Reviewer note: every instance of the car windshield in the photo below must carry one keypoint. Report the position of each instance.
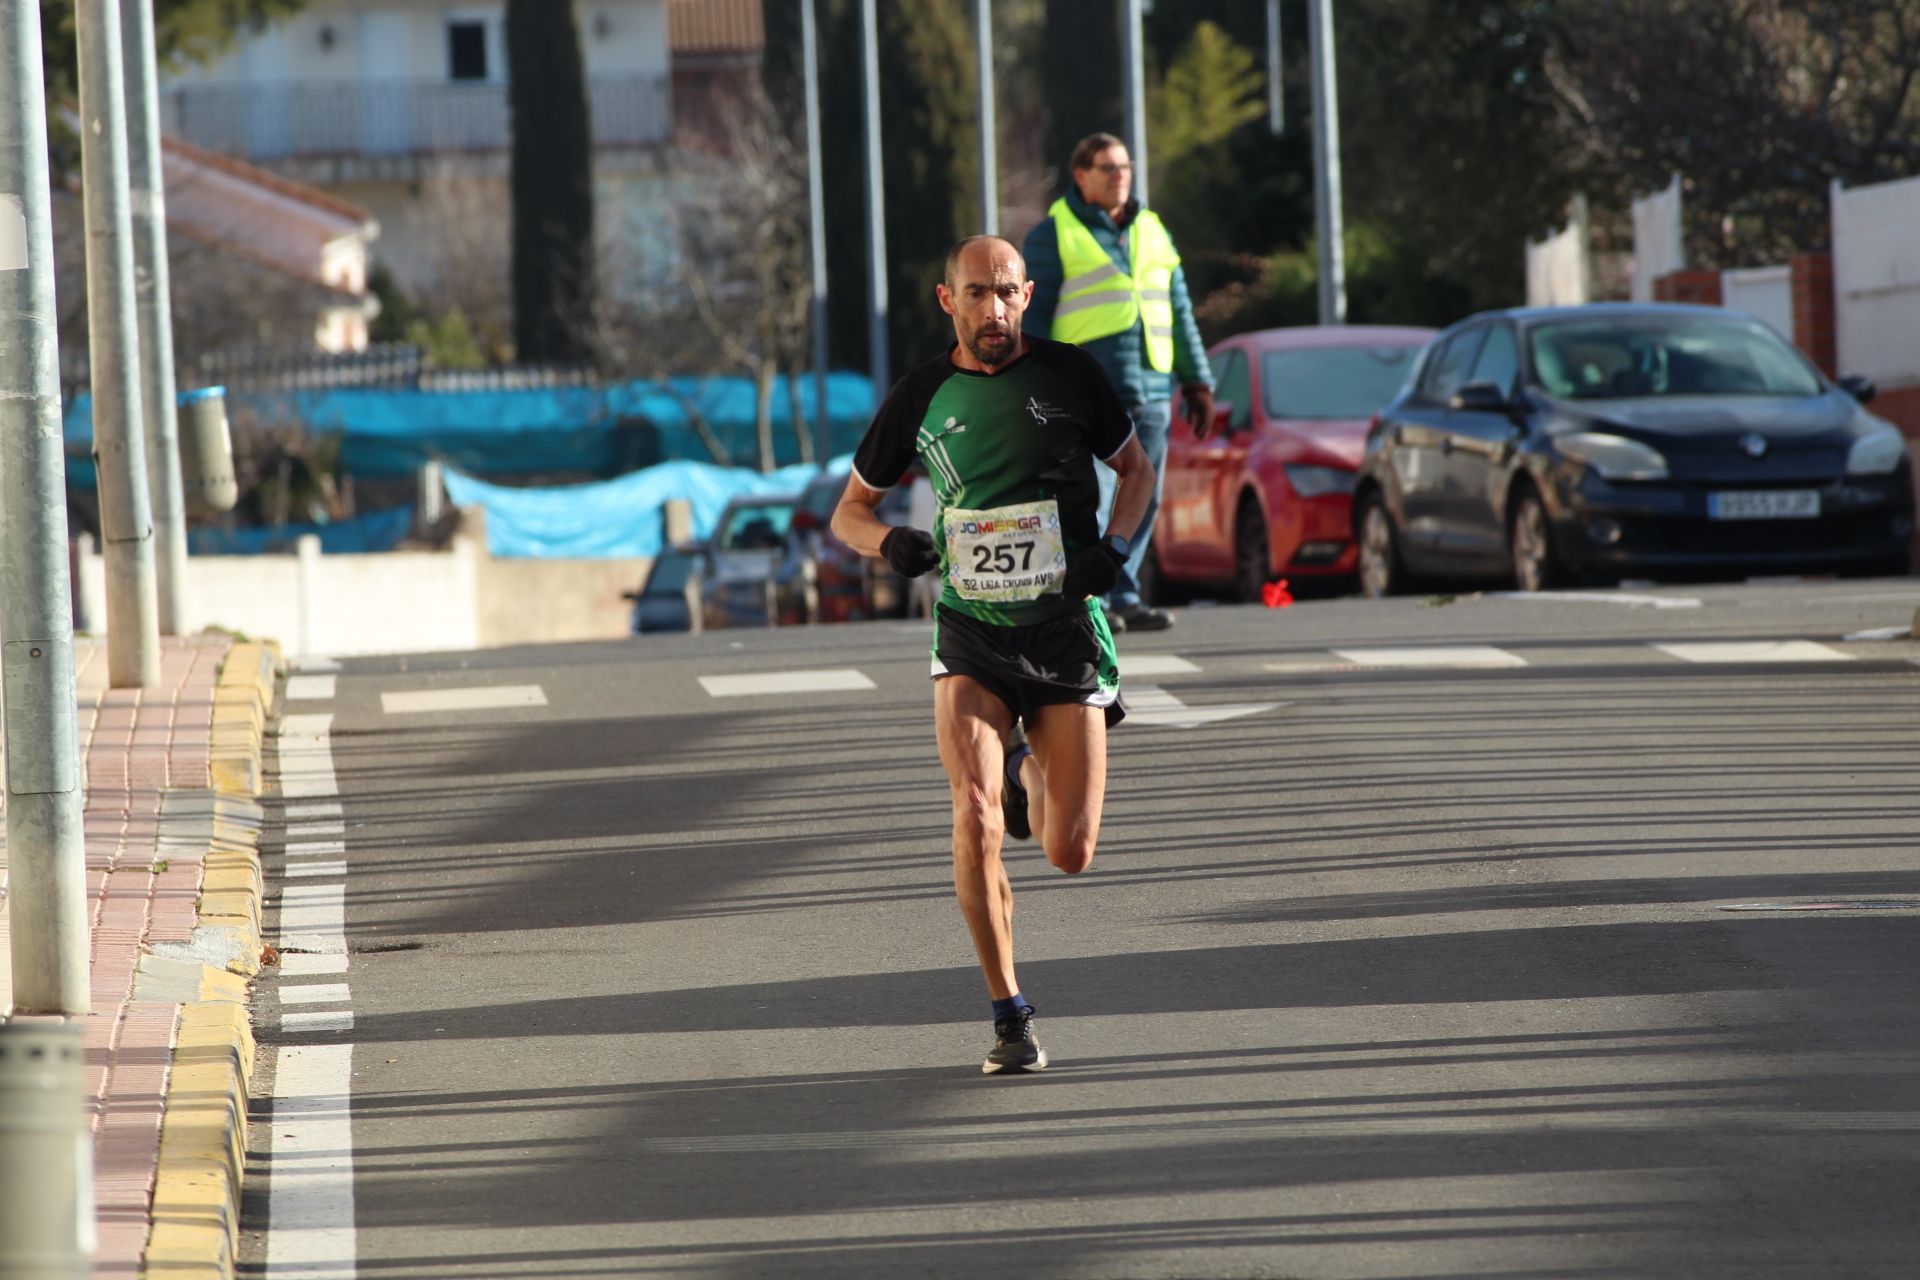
(669, 574)
(1332, 382)
(756, 527)
(1624, 357)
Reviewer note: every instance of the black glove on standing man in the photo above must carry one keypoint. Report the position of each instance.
(910, 552)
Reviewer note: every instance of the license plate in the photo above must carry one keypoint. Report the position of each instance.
(1765, 504)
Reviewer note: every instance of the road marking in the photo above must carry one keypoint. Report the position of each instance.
(313, 917)
(296, 964)
(311, 870)
(1755, 651)
(1881, 633)
(1156, 664)
(316, 848)
(313, 662)
(303, 830)
(834, 680)
(306, 757)
(487, 698)
(309, 688)
(1458, 656)
(310, 1196)
(1150, 704)
(1599, 597)
(310, 1201)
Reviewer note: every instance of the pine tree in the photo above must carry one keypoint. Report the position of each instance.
(552, 184)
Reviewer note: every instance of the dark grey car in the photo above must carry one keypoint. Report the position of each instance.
(1615, 440)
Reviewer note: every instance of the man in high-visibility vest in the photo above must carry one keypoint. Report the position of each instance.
(1106, 277)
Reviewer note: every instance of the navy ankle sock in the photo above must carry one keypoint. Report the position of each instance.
(1013, 764)
(1008, 1007)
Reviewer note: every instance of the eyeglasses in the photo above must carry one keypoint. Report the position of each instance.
(1114, 168)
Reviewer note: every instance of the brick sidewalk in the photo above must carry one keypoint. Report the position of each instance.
(142, 749)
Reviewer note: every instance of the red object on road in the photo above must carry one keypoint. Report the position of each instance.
(1275, 594)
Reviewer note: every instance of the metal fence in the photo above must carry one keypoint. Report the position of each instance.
(393, 117)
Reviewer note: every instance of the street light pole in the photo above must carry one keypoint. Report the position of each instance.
(1276, 108)
(119, 449)
(1133, 75)
(989, 136)
(1326, 164)
(876, 204)
(153, 295)
(47, 896)
(816, 231)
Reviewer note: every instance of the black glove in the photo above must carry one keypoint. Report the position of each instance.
(910, 552)
(1091, 571)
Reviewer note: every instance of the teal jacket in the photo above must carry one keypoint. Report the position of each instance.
(1124, 355)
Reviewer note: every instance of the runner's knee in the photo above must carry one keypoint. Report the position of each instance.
(1073, 855)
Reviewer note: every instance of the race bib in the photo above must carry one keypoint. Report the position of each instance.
(1007, 553)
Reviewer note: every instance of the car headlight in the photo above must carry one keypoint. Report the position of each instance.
(1876, 453)
(1614, 457)
(1312, 482)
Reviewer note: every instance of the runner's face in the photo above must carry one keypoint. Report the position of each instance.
(986, 299)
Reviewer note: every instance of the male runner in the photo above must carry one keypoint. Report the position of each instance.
(1008, 427)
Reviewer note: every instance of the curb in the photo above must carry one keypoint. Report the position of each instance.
(203, 1137)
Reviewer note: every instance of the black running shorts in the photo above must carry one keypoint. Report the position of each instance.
(1063, 660)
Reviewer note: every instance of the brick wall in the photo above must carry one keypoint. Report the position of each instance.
(1813, 325)
(1701, 288)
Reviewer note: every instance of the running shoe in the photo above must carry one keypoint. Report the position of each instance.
(1013, 796)
(1014, 1049)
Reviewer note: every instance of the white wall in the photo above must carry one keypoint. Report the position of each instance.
(1876, 281)
(1765, 293)
(1659, 247)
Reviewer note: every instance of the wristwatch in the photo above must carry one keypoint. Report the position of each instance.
(1117, 547)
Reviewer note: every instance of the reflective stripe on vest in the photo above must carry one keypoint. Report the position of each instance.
(1098, 300)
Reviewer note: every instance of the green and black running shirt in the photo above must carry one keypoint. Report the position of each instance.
(1007, 453)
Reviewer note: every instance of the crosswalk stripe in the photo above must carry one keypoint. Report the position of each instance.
(1755, 651)
(489, 698)
(1155, 664)
(836, 680)
(1463, 656)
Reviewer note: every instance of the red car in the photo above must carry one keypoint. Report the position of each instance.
(1268, 493)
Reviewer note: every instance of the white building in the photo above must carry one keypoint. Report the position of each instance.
(400, 106)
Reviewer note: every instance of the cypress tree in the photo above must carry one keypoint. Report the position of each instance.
(552, 184)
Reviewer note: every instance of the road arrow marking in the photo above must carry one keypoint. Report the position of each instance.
(1150, 704)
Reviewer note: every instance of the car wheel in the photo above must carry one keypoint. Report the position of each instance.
(1382, 572)
(1536, 561)
(1253, 566)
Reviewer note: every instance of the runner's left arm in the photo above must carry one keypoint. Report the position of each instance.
(1134, 471)
(854, 520)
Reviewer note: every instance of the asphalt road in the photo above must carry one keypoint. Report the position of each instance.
(1384, 971)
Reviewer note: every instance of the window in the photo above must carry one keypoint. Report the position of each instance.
(1332, 382)
(1447, 371)
(1232, 389)
(466, 50)
(1632, 356)
(1499, 360)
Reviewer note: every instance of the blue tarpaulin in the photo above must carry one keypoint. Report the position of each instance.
(619, 517)
(604, 430)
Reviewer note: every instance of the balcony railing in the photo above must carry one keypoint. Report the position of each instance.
(263, 122)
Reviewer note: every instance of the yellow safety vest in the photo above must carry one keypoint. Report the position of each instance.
(1097, 299)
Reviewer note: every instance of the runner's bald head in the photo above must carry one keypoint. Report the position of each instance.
(986, 254)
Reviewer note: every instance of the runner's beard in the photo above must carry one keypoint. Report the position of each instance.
(993, 349)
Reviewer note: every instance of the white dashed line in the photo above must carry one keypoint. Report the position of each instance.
(306, 757)
(1155, 664)
(1755, 651)
(1598, 597)
(491, 698)
(321, 809)
(318, 993)
(313, 870)
(316, 848)
(295, 964)
(303, 1021)
(1461, 656)
(310, 688)
(306, 830)
(836, 680)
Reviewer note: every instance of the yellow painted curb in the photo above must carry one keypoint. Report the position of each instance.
(241, 701)
(203, 1148)
(203, 1136)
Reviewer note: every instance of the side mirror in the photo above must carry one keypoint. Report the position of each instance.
(1480, 397)
(1860, 388)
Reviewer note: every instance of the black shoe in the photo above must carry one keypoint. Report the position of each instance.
(1013, 796)
(1016, 1050)
(1143, 617)
(1115, 623)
